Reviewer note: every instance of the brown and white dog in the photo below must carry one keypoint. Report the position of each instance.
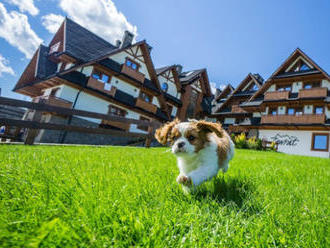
(202, 148)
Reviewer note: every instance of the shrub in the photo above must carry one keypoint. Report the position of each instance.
(273, 146)
(259, 144)
(240, 141)
(252, 142)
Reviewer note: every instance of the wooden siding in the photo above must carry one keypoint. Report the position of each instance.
(96, 84)
(293, 119)
(132, 73)
(237, 109)
(59, 37)
(314, 92)
(277, 95)
(121, 125)
(54, 101)
(146, 105)
(29, 72)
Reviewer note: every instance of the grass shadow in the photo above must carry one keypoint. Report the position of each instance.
(232, 191)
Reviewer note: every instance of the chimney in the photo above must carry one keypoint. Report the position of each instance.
(178, 68)
(118, 43)
(127, 39)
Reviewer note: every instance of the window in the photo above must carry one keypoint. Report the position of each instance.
(165, 87)
(144, 128)
(284, 88)
(299, 111)
(311, 85)
(131, 64)
(100, 76)
(304, 67)
(113, 110)
(307, 86)
(291, 111)
(273, 111)
(145, 96)
(318, 110)
(320, 141)
(55, 47)
(255, 87)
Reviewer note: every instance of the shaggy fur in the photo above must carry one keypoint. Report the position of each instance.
(202, 149)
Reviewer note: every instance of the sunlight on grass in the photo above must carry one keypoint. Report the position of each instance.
(115, 196)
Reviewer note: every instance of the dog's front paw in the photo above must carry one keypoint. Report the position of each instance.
(182, 179)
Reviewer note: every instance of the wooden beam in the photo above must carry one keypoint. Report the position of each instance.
(37, 125)
(66, 111)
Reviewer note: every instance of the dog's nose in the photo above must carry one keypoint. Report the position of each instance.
(181, 144)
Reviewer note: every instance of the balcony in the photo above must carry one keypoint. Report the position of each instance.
(132, 73)
(313, 93)
(276, 95)
(146, 105)
(54, 101)
(121, 125)
(237, 109)
(293, 119)
(99, 85)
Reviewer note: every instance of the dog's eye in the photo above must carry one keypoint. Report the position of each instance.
(191, 138)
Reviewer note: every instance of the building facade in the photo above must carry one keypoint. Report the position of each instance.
(80, 70)
(291, 108)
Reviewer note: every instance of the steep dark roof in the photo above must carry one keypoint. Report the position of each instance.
(297, 73)
(188, 76)
(259, 78)
(84, 45)
(162, 69)
(46, 67)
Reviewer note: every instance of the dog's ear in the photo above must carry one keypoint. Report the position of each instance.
(210, 127)
(163, 132)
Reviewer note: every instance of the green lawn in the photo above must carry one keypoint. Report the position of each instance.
(53, 196)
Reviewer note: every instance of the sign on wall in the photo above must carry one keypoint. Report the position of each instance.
(285, 140)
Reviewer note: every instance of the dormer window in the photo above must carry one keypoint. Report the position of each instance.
(255, 87)
(131, 64)
(54, 48)
(165, 87)
(304, 67)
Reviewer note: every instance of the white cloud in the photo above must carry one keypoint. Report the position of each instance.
(52, 22)
(99, 16)
(25, 6)
(4, 68)
(16, 30)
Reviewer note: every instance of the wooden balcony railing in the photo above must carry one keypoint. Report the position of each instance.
(293, 119)
(146, 105)
(121, 125)
(53, 100)
(276, 95)
(132, 73)
(314, 92)
(237, 109)
(98, 85)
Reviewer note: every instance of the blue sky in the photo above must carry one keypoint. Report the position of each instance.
(229, 38)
